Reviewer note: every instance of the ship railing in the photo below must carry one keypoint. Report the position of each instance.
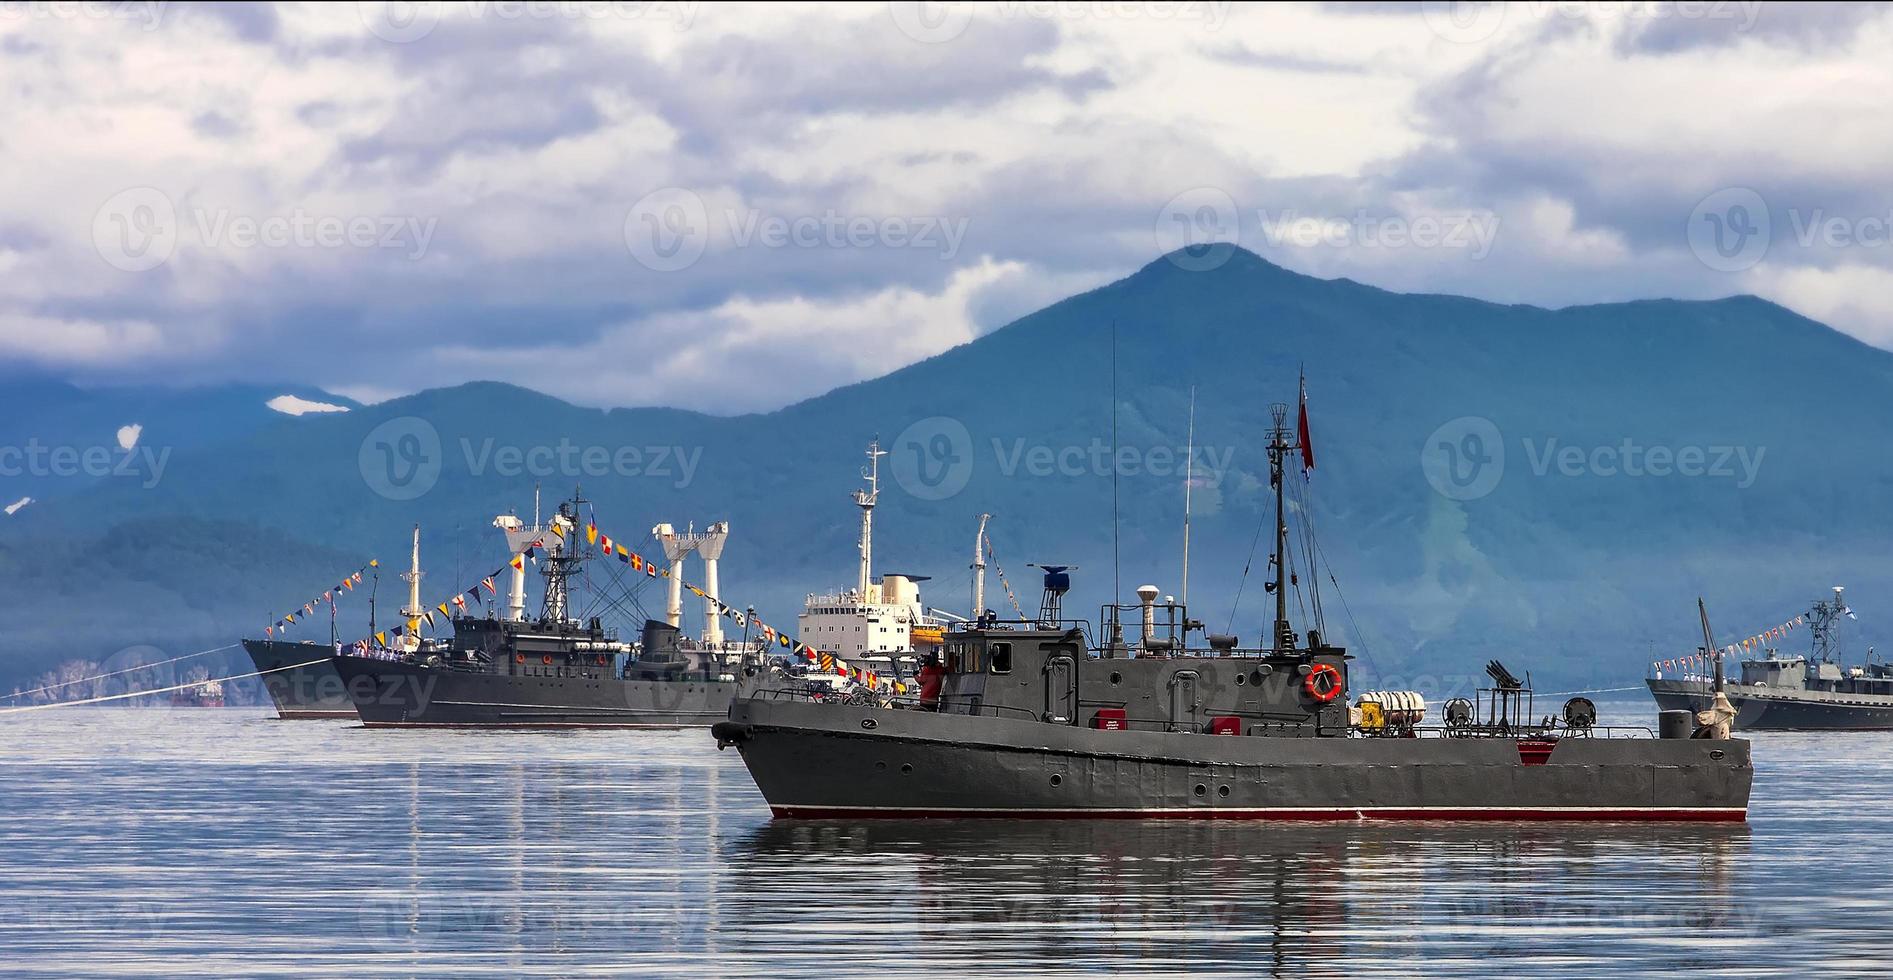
(1524, 731)
(949, 704)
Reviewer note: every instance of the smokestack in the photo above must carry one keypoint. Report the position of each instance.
(709, 546)
(1147, 595)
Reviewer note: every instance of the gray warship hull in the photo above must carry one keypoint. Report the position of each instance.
(403, 694)
(301, 679)
(1760, 709)
(834, 761)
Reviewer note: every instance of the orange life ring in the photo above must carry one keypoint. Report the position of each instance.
(601, 661)
(547, 659)
(519, 658)
(1323, 683)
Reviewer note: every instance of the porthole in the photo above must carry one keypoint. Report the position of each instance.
(1255, 677)
(906, 767)
(1057, 779)
(882, 766)
(1116, 678)
(1201, 790)
(1222, 791)
(1240, 680)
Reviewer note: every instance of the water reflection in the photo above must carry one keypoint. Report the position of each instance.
(261, 848)
(1252, 895)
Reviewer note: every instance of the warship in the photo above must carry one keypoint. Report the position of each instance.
(557, 670)
(1812, 692)
(300, 675)
(300, 678)
(1033, 719)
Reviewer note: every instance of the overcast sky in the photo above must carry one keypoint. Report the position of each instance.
(732, 208)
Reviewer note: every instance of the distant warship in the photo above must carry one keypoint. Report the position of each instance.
(556, 670)
(1034, 719)
(1813, 692)
(300, 674)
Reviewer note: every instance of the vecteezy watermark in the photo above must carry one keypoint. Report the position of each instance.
(1470, 230)
(1199, 228)
(145, 13)
(37, 459)
(1475, 21)
(402, 458)
(1730, 230)
(139, 229)
(1465, 458)
(1733, 229)
(937, 22)
(403, 21)
(934, 459)
(668, 230)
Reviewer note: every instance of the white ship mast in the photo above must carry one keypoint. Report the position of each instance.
(865, 499)
(412, 576)
(979, 568)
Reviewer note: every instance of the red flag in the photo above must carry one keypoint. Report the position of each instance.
(1301, 430)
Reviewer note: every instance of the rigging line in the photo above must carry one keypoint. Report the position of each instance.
(1360, 639)
(161, 690)
(1244, 580)
(1595, 690)
(1311, 551)
(115, 673)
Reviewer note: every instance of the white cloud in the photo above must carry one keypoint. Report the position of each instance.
(293, 405)
(1056, 132)
(128, 436)
(14, 507)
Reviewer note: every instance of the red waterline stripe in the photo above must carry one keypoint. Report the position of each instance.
(1387, 813)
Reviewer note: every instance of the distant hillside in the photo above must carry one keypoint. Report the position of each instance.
(1652, 451)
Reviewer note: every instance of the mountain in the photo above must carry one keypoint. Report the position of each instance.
(1552, 487)
(57, 438)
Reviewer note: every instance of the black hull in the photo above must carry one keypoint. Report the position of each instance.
(1810, 711)
(310, 691)
(397, 694)
(834, 761)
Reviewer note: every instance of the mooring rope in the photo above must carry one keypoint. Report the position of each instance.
(115, 673)
(161, 690)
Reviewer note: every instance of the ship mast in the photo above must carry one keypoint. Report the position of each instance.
(1278, 452)
(865, 499)
(413, 578)
(1189, 476)
(979, 569)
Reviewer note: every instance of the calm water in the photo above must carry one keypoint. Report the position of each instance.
(174, 842)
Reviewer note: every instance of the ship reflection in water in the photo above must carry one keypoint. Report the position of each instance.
(225, 842)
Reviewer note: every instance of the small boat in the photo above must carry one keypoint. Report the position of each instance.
(1045, 718)
(1811, 692)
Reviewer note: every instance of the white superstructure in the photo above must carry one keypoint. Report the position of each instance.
(883, 617)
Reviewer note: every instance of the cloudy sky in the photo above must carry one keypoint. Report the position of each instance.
(730, 208)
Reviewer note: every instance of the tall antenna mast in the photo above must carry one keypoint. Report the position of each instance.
(979, 568)
(1278, 451)
(1116, 585)
(1189, 474)
(865, 499)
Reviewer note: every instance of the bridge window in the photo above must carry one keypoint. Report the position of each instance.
(1001, 659)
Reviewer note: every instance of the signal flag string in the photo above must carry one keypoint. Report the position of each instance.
(161, 690)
